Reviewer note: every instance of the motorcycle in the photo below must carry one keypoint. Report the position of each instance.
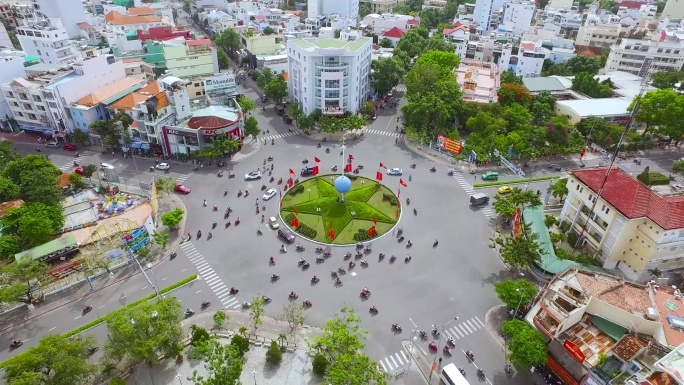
(396, 327)
(227, 224)
(334, 168)
(338, 282)
(435, 243)
(327, 253)
(409, 244)
(87, 309)
(283, 249)
(305, 161)
(305, 265)
(415, 211)
(447, 350)
(392, 259)
(172, 255)
(246, 305)
(263, 187)
(266, 299)
(237, 222)
(319, 249)
(272, 142)
(220, 174)
(271, 180)
(423, 334)
(239, 193)
(327, 151)
(189, 312)
(259, 232)
(381, 256)
(299, 248)
(347, 255)
(151, 168)
(206, 304)
(400, 239)
(432, 346)
(275, 277)
(231, 175)
(234, 290)
(407, 259)
(341, 270)
(271, 261)
(358, 255)
(75, 164)
(451, 341)
(306, 303)
(356, 170)
(280, 180)
(315, 279)
(359, 245)
(365, 293)
(320, 259)
(246, 193)
(301, 261)
(413, 165)
(351, 265)
(293, 295)
(374, 309)
(364, 263)
(318, 145)
(433, 169)
(480, 373)
(408, 201)
(450, 173)
(270, 159)
(470, 355)
(92, 350)
(462, 371)
(16, 344)
(213, 225)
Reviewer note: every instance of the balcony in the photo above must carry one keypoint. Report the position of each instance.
(23, 97)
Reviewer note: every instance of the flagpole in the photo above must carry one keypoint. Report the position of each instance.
(343, 147)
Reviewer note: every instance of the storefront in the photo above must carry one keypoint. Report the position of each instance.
(199, 132)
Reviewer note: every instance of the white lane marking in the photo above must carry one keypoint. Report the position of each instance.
(481, 323)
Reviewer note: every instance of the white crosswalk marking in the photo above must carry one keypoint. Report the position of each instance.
(70, 166)
(400, 88)
(460, 179)
(380, 132)
(207, 273)
(278, 136)
(182, 178)
(394, 361)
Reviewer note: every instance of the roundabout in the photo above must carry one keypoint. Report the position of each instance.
(340, 209)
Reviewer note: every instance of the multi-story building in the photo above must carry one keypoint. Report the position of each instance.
(599, 35)
(531, 56)
(484, 14)
(644, 57)
(634, 228)
(12, 64)
(459, 37)
(48, 40)
(517, 16)
(93, 107)
(379, 24)
(382, 6)
(674, 9)
(330, 75)
(162, 33)
(261, 44)
(490, 50)
(126, 23)
(8, 15)
(344, 8)
(190, 58)
(479, 81)
(70, 12)
(218, 21)
(41, 100)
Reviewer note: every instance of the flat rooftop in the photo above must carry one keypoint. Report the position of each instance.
(312, 44)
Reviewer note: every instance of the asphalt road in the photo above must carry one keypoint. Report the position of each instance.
(454, 279)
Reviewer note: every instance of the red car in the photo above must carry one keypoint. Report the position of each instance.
(181, 189)
(70, 147)
(79, 170)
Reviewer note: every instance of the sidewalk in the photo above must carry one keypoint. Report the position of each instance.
(295, 368)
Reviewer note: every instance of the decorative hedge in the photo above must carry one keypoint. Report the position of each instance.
(657, 179)
(362, 235)
(306, 231)
(390, 197)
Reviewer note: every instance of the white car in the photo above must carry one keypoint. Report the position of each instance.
(270, 193)
(394, 171)
(273, 223)
(163, 166)
(253, 175)
(106, 166)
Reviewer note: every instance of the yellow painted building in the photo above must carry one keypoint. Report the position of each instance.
(260, 44)
(190, 58)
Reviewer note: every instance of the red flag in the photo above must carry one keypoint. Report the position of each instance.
(281, 198)
(351, 157)
(296, 212)
(401, 182)
(375, 222)
(378, 175)
(382, 165)
(290, 182)
(348, 167)
(314, 170)
(292, 172)
(316, 159)
(331, 234)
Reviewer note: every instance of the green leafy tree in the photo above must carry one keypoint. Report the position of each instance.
(224, 145)
(521, 251)
(342, 343)
(9, 245)
(265, 77)
(146, 330)
(229, 41)
(503, 206)
(663, 109)
(527, 346)
(89, 170)
(446, 60)
(252, 127)
(306, 122)
(585, 83)
(172, 218)
(509, 77)
(320, 364)
(34, 223)
(41, 186)
(276, 89)
(248, 105)
(79, 137)
(8, 190)
(7, 153)
(56, 360)
(18, 281)
(223, 60)
(198, 335)
(220, 318)
(559, 189)
(364, 9)
(596, 129)
(386, 74)
(678, 165)
(293, 314)
(386, 43)
(666, 79)
(513, 292)
(222, 363)
(76, 180)
(256, 311)
(162, 238)
(164, 185)
(273, 355)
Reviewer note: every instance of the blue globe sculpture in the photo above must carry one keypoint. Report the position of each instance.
(342, 184)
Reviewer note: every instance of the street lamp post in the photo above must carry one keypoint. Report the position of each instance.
(413, 343)
(515, 315)
(439, 341)
(254, 376)
(178, 376)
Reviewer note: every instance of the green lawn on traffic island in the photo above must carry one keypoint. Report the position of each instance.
(318, 209)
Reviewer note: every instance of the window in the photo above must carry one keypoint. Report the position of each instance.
(198, 93)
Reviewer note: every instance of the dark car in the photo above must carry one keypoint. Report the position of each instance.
(286, 235)
(306, 171)
(287, 119)
(555, 167)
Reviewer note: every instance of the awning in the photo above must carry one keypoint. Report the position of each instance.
(31, 128)
(613, 330)
(145, 146)
(136, 145)
(48, 132)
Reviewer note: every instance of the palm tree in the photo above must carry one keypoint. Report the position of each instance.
(243, 331)
(655, 273)
(281, 339)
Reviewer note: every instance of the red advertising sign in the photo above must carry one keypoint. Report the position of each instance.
(574, 350)
(561, 372)
(449, 145)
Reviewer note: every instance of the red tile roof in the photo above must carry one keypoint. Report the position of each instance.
(394, 32)
(191, 43)
(633, 199)
(449, 31)
(413, 22)
(208, 122)
(631, 4)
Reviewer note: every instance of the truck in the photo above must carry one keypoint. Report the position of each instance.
(479, 199)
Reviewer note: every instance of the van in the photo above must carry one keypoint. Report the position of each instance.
(479, 199)
(492, 175)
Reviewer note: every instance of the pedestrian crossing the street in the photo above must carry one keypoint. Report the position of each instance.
(209, 275)
(70, 166)
(380, 132)
(394, 361)
(278, 136)
(464, 328)
(182, 178)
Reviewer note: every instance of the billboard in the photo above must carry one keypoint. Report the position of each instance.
(222, 85)
(449, 145)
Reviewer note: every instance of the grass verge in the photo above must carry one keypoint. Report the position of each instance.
(516, 181)
(102, 319)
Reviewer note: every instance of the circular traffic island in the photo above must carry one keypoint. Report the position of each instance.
(340, 209)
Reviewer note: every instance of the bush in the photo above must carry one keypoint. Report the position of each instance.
(199, 334)
(391, 198)
(550, 220)
(320, 364)
(306, 230)
(362, 235)
(273, 355)
(565, 226)
(117, 381)
(572, 238)
(297, 189)
(509, 182)
(172, 218)
(658, 179)
(241, 343)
